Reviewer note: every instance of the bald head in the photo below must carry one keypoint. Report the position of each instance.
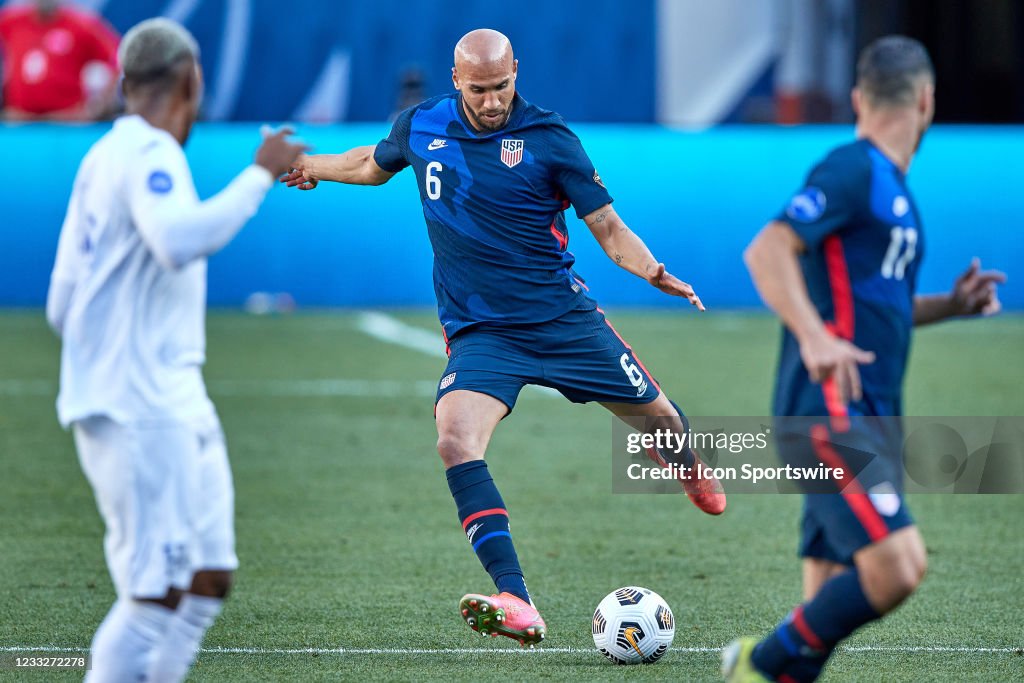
(485, 73)
(482, 46)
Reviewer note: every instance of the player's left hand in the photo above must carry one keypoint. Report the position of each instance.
(673, 286)
(974, 292)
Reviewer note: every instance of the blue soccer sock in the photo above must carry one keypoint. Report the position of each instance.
(804, 670)
(799, 646)
(685, 458)
(485, 521)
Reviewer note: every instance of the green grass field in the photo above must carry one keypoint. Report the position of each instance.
(348, 537)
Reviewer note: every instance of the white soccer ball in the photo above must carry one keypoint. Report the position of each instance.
(633, 625)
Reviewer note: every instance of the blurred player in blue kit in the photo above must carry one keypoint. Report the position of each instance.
(839, 266)
(495, 174)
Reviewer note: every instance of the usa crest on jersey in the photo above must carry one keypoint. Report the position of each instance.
(511, 152)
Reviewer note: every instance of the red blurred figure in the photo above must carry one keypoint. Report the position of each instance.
(46, 47)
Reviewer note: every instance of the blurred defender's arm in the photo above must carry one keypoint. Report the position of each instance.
(178, 228)
(58, 298)
(772, 261)
(630, 253)
(354, 167)
(67, 266)
(179, 233)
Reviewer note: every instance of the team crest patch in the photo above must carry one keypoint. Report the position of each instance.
(447, 381)
(808, 206)
(511, 152)
(597, 178)
(160, 182)
(885, 499)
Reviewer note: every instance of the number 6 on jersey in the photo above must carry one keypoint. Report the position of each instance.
(433, 182)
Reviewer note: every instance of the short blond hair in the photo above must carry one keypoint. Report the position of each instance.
(152, 49)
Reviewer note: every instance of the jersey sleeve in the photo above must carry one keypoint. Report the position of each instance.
(824, 206)
(67, 266)
(575, 174)
(173, 223)
(392, 153)
(159, 184)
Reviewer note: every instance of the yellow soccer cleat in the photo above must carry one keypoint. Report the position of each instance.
(736, 664)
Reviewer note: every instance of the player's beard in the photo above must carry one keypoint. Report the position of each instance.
(484, 125)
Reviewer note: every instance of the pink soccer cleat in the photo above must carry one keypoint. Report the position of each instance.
(503, 614)
(704, 491)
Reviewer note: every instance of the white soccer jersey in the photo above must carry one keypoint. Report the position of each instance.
(128, 290)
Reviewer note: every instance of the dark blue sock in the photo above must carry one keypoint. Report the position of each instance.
(485, 521)
(803, 641)
(686, 457)
(804, 670)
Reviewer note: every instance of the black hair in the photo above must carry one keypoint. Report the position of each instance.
(889, 68)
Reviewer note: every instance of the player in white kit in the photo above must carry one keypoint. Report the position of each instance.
(128, 298)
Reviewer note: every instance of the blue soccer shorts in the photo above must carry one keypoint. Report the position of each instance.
(869, 503)
(579, 354)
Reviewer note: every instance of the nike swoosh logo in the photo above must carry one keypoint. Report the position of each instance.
(628, 634)
(437, 144)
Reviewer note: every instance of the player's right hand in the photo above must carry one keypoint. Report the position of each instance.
(277, 153)
(670, 284)
(827, 357)
(301, 175)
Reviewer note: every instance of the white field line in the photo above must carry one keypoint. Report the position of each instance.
(510, 650)
(286, 388)
(388, 388)
(377, 325)
(27, 387)
(291, 388)
(392, 330)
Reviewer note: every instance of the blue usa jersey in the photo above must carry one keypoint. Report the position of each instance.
(493, 204)
(864, 247)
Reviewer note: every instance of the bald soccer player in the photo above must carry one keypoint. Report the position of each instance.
(495, 174)
(128, 298)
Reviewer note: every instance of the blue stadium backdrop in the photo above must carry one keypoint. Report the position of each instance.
(696, 198)
(344, 60)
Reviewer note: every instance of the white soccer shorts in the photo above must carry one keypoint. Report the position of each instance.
(165, 493)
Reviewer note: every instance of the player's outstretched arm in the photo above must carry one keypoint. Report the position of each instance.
(973, 293)
(178, 229)
(772, 261)
(354, 167)
(629, 252)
